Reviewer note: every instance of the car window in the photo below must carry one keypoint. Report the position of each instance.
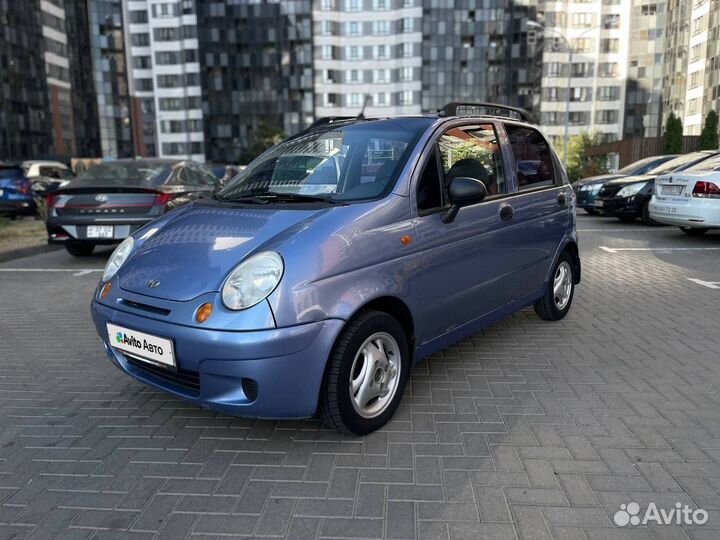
(55, 172)
(11, 172)
(533, 157)
(429, 191)
(473, 151)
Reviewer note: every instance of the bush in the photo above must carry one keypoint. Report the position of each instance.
(578, 163)
(709, 135)
(673, 143)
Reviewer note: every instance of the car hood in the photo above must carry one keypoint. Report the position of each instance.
(630, 180)
(194, 249)
(602, 178)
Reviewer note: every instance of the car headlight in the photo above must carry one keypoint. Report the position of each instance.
(118, 258)
(252, 280)
(632, 189)
(595, 188)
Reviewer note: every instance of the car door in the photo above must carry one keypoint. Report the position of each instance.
(466, 263)
(541, 208)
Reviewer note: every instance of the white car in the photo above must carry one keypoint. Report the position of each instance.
(49, 169)
(689, 199)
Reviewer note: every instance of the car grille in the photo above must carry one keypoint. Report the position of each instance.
(608, 191)
(187, 380)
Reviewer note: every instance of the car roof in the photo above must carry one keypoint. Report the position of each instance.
(31, 162)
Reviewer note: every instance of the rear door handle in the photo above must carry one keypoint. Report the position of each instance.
(562, 199)
(506, 212)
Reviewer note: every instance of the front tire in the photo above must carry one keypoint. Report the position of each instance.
(366, 374)
(560, 291)
(79, 249)
(694, 231)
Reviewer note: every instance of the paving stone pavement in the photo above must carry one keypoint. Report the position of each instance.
(528, 430)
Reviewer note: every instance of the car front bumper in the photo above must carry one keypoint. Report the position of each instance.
(274, 373)
(622, 207)
(699, 213)
(17, 207)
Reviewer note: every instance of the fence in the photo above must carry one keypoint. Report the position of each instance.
(635, 148)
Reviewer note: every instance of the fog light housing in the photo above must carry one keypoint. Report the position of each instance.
(203, 312)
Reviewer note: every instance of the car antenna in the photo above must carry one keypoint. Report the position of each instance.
(361, 116)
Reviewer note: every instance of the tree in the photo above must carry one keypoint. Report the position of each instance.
(673, 135)
(578, 163)
(262, 137)
(709, 136)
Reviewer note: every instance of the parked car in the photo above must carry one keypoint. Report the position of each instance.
(46, 177)
(690, 199)
(110, 201)
(16, 198)
(629, 198)
(273, 300)
(225, 171)
(588, 188)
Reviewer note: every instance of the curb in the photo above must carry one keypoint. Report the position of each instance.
(13, 254)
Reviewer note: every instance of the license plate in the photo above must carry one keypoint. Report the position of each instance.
(100, 231)
(664, 209)
(145, 347)
(599, 204)
(672, 190)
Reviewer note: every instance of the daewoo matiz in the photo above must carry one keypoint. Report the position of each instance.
(314, 279)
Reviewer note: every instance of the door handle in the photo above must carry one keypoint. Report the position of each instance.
(562, 199)
(506, 212)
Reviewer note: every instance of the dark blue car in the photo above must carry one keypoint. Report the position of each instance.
(314, 280)
(16, 197)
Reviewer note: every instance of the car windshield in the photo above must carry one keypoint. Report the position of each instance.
(710, 164)
(360, 161)
(11, 172)
(679, 163)
(131, 173)
(56, 172)
(644, 165)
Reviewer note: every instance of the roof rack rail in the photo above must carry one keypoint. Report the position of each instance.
(330, 120)
(480, 108)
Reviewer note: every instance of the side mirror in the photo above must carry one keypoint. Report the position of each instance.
(463, 191)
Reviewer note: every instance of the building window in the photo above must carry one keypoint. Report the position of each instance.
(407, 50)
(381, 76)
(381, 99)
(142, 62)
(139, 16)
(408, 24)
(606, 117)
(140, 40)
(353, 5)
(406, 97)
(326, 52)
(326, 28)
(609, 45)
(353, 52)
(608, 93)
(406, 74)
(608, 69)
(583, 20)
(355, 100)
(144, 85)
(553, 69)
(648, 9)
(353, 28)
(552, 118)
(581, 45)
(379, 5)
(165, 9)
(552, 94)
(353, 76)
(578, 118)
(580, 93)
(381, 27)
(611, 20)
(695, 79)
(327, 5)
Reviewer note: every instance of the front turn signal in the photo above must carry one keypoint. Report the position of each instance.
(203, 312)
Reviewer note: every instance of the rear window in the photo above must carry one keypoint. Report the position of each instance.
(11, 172)
(135, 173)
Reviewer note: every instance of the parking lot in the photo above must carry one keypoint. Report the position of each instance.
(528, 430)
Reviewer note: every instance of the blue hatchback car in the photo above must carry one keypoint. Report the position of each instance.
(314, 280)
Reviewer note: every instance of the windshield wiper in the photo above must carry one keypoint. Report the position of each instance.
(252, 199)
(299, 197)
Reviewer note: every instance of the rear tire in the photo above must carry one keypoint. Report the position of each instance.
(79, 250)
(591, 211)
(370, 357)
(560, 290)
(694, 231)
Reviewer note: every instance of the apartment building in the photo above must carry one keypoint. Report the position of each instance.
(367, 53)
(594, 59)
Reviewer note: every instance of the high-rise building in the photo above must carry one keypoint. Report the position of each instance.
(162, 55)
(256, 62)
(25, 127)
(479, 51)
(367, 53)
(598, 36)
